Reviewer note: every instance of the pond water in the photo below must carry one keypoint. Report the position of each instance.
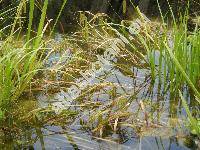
(156, 114)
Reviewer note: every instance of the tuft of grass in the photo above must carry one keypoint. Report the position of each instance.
(19, 63)
(178, 51)
(17, 69)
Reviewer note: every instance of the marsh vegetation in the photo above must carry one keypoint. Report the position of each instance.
(106, 74)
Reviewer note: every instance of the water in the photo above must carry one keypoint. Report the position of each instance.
(82, 141)
(161, 133)
(159, 125)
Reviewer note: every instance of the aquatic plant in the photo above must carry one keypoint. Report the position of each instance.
(168, 50)
(167, 55)
(177, 53)
(18, 65)
(194, 124)
(159, 49)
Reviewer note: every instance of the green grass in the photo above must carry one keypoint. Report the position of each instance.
(17, 68)
(19, 60)
(194, 123)
(180, 60)
(19, 63)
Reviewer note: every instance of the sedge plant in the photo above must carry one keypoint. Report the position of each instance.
(18, 63)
